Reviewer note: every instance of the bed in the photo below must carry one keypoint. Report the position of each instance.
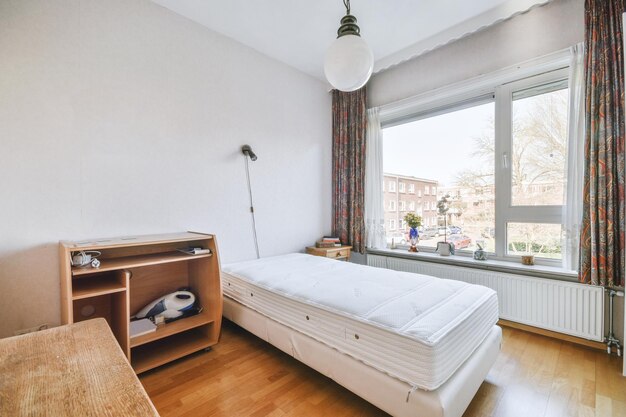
(413, 345)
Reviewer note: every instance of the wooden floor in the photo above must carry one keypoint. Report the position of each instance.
(534, 376)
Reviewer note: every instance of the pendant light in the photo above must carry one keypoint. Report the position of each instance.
(349, 60)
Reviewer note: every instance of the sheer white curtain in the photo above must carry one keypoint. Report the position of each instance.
(573, 208)
(374, 210)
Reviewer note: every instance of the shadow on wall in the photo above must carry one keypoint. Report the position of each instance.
(30, 288)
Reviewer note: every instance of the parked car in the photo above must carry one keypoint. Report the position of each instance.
(460, 242)
(455, 230)
(443, 231)
(428, 233)
(399, 238)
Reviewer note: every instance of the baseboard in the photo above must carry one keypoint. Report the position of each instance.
(555, 335)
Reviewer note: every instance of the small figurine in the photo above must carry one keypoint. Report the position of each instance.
(480, 254)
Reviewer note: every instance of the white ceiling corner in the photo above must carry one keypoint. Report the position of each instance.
(297, 32)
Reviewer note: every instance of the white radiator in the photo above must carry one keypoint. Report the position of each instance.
(560, 306)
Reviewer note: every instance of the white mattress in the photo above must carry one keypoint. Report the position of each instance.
(416, 328)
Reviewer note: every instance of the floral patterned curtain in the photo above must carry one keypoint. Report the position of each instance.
(349, 125)
(602, 234)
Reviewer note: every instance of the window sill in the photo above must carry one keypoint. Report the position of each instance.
(541, 271)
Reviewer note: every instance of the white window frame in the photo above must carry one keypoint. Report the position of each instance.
(392, 205)
(506, 212)
(411, 188)
(419, 193)
(426, 190)
(412, 205)
(499, 86)
(402, 206)
(401, 187)
(392, 186)
(392, 224)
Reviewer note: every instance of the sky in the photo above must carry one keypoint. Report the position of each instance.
(423, 147)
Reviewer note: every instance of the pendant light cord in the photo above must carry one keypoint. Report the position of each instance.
(256, 243)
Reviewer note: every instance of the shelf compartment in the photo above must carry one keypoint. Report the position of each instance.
(113, 307)
(96, 285)
(136, 261)
(151, 355)
(172, 328)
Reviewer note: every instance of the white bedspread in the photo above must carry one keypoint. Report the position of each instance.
(417, 328)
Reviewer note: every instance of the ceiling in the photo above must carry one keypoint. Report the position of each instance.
(297, 32)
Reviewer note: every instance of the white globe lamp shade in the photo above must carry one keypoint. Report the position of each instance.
(349, 63)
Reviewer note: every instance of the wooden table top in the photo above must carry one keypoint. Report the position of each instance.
(73, 370)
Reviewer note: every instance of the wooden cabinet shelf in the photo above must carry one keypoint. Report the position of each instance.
(136, 261)
(155, 354)
(169, 329)
(133, 272)
(95, 286)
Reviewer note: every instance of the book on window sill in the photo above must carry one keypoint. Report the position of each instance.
(195, 251)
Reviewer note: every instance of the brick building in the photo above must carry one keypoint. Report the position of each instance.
(402, 195)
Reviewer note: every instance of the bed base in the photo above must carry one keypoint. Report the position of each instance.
(385, 392)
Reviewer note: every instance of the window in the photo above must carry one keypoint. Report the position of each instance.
(411, 188)
(401, 224)
(401, 187)
(539, 145)
(539, 239)
(412, 205)
(392, 186)
(534, 150)
(392, 224)
(392, 205)
(402, 205)
(500, 155)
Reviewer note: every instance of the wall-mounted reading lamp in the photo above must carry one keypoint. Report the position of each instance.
(247, 152)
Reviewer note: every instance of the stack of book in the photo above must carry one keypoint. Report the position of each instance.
(328, 242)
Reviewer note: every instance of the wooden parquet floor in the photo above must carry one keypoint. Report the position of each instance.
(534, 376)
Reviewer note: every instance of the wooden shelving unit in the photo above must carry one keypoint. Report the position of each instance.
(135, 271)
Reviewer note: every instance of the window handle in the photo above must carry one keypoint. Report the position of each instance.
(505, 160)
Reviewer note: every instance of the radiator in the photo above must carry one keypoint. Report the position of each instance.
(560, 306)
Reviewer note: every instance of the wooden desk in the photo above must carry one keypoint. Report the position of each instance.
(341, 252)
(72, 370)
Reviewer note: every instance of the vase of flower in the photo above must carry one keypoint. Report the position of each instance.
(413, 221)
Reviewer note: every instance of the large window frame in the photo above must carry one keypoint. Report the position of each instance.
(499, 88)
(506, 212)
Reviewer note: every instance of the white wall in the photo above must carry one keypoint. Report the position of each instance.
(120, 117)
(543, 30)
